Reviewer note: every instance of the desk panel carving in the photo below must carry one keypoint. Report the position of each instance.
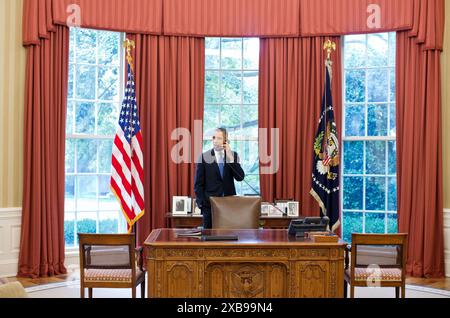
(251, 267)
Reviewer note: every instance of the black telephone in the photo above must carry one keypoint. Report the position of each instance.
(309, 224)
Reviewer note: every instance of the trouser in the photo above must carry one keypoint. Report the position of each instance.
(207, 219)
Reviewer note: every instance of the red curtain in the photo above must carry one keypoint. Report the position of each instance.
(42, 240)
(292, 75)
(419, 156)
(170, 93)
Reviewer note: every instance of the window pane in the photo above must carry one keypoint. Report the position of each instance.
(353, 190)
(85, 85)
(85, 118)
(355, 51)
(392, 226)
(211, 120)
(231, 53)
(69, 227)
(87, 192)
(87, 223)
(71, 81)
(377, 119)
(375, 222)
(212, 56)
(392, 121)
(353, 157)
(377, 49)
(231, 87)
(392, 88)
(376, 157)
(108, 118)
(250, 121)
(108, 223)
(105, 155)
(375, 194)
(353, 223)
(86, 156)
(250, 158)
(377, 85)
(355, 86)
(253, 180)
(355, 118)
(72, 46)
(70, 156)
(108, 84)
(392, 157)
(231, 117)
(212, 87)
(251, 54)
(392, 48)
(86, 46)
(250, 87)
(392, 194)
(69, 118)
(69, 194)
(108, 48)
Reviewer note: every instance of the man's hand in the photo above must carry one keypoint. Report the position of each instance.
(229, 152)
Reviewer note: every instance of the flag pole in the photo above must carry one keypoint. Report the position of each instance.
(130, 45)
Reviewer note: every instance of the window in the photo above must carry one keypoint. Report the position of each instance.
(231, 101)
(369, 196)
(93, 103)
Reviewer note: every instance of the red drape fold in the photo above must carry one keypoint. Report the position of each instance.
(170, 93)
(42, 238)
(419, 156)
(263, 18)
(291, 81)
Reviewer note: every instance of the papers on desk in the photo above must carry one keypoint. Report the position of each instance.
(191, 233)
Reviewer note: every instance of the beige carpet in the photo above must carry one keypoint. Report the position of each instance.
(72, 290)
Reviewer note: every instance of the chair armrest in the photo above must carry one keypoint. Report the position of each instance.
(348, 249)
(140, 257)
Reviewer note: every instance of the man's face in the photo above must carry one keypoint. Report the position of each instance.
(218, 140)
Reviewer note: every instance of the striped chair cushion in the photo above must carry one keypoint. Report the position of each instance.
(379, 274)
(109, 275)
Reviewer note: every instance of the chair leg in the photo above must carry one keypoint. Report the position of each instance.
(133, 292)
(143, 289)
(397, 292)
(345, 289)
(352, 291)
(90, 292)
(82, 291)
(403, 292)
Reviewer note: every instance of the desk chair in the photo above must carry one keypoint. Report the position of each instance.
(377, 260)
(109, 261)
(235, 212)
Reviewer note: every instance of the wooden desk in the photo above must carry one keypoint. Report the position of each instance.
(192, 221)
(263, 263)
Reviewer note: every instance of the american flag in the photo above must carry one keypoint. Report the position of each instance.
(127, 177)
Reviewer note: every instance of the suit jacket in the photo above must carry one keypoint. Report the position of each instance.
(209, 183)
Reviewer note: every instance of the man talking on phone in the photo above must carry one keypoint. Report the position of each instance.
(215, 174)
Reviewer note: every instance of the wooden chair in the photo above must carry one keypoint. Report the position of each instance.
(109, 261)
(377, 260)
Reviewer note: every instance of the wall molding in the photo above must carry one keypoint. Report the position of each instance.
(10, 225)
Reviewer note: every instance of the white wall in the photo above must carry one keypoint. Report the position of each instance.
(447, 241)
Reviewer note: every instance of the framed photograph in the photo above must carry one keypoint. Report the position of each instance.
(195, 210)
(274, 211)
(282, 205)
(180, 205)
(293, 208)
(265, 208)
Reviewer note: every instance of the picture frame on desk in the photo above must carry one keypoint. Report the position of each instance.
(293, 208)
(181, 205)
(195, 209)
(282, 205)
(274, 211)
(265, 208)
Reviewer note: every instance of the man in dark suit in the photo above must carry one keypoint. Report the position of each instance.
(216, 171)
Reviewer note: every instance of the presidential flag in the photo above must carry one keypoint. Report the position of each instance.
(325, 175)
(127, 178)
